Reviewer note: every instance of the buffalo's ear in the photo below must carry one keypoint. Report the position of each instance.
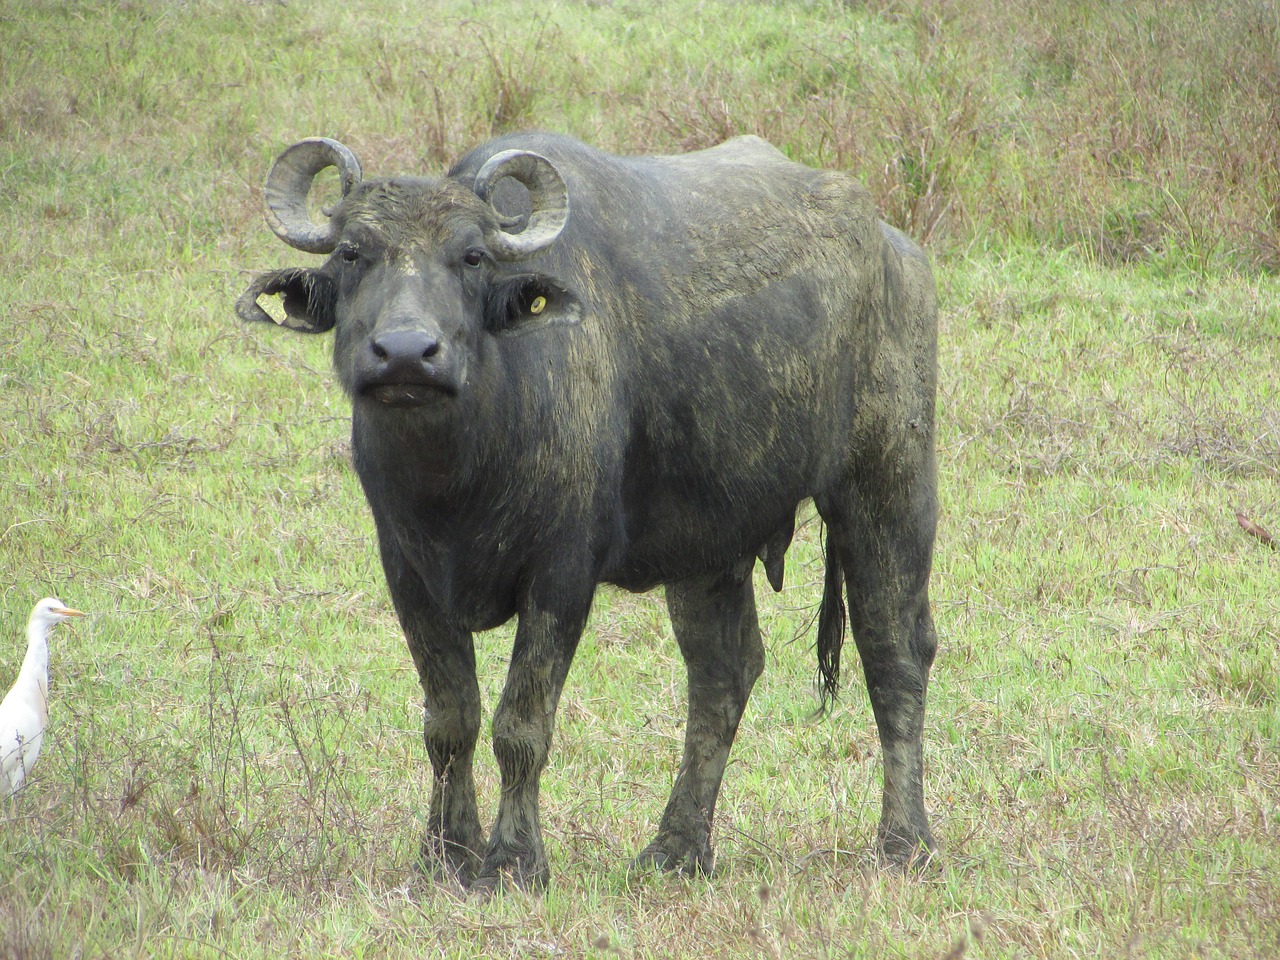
(310, 300)
(528, 302)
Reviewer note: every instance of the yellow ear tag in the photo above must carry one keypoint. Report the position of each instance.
(539, 304)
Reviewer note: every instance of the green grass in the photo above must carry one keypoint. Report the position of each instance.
(234, 765)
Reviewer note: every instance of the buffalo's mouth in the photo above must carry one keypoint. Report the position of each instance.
(408, 394)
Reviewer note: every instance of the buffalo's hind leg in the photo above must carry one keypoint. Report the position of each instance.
(715, 625)
(883, 534)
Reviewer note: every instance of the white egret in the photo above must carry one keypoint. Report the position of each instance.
(25, 708)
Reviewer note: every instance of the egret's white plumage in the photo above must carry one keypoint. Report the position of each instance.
(25, 709)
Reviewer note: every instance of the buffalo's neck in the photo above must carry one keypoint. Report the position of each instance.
(423, 450)
(432, 483)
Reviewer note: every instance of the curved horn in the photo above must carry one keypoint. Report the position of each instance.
(290, 181)
(547, 193)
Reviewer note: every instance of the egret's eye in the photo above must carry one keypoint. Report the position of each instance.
(473, 257)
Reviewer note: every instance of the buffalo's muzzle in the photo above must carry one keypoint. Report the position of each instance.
(406, 368)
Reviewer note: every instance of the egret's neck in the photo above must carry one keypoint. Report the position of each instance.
(36, 662)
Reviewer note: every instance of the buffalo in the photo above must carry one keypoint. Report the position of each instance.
(569, 368)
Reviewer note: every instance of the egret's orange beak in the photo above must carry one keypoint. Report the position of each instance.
(68, 612)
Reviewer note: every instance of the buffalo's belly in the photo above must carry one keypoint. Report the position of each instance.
(677, 527)
(712, 473)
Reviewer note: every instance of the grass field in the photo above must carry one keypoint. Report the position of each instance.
(234, 765)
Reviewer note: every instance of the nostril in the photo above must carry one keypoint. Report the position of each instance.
(396, 348)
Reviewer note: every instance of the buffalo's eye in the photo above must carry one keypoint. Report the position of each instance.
(473, 257)
(350, 255)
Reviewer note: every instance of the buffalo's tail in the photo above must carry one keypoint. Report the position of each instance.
(831, 624)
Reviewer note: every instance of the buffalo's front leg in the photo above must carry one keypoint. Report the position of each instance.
(451, 723)
(522, 727)
(715, 625)
(445, 658)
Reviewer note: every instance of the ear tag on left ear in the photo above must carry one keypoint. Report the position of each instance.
(538, 305)
(273, 304)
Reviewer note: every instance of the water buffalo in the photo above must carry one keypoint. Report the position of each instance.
(569, 368)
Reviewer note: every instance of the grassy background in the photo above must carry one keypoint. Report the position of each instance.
(234, 764)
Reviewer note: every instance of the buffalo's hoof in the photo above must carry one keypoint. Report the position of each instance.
(657, 856)
(447, 863)
(911, 851)
(514, 875)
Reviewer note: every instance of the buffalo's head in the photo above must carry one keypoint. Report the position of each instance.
(421, 273)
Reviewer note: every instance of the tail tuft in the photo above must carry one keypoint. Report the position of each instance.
(831, 624)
